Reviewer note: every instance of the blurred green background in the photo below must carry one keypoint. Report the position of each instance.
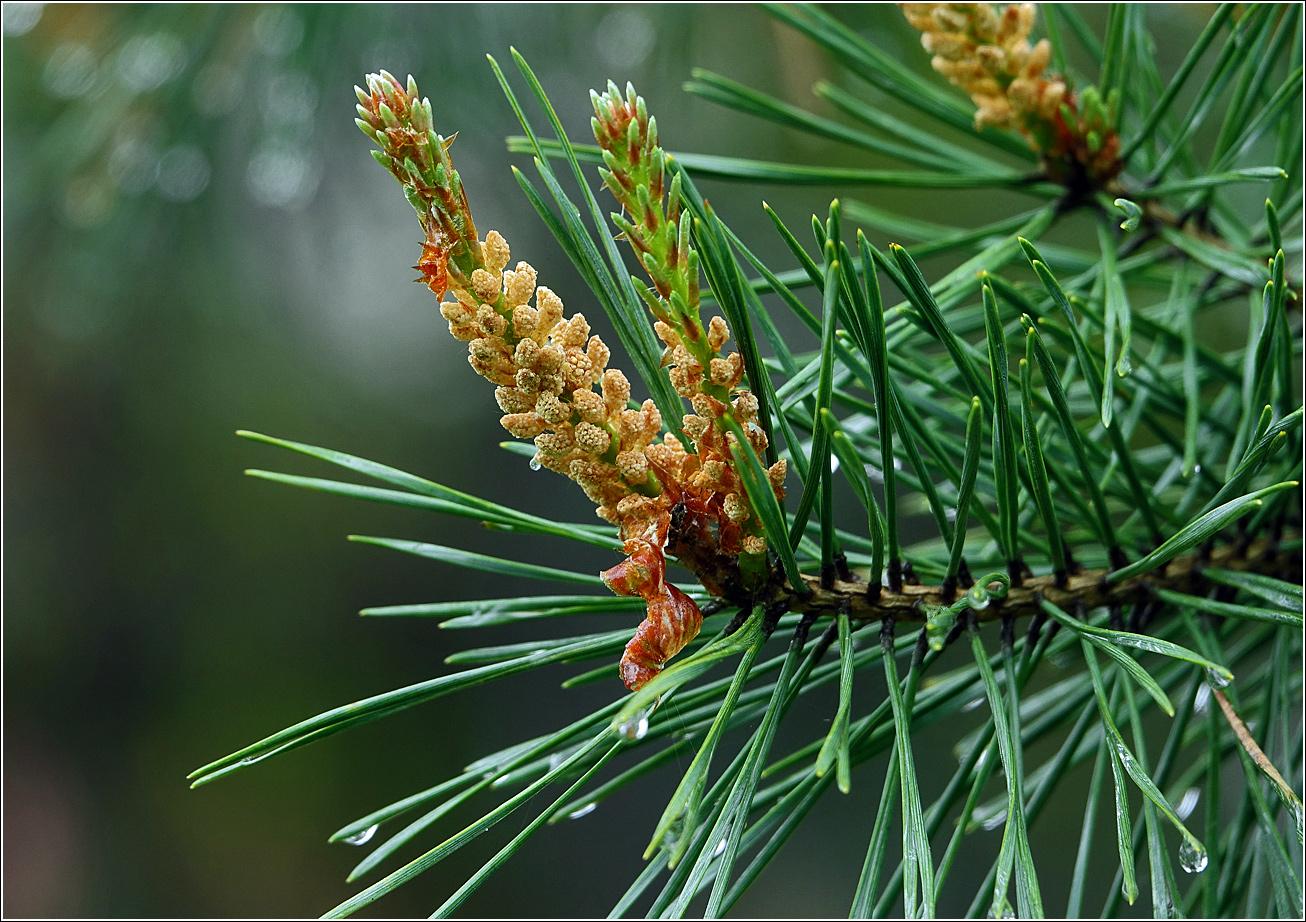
(195, 241)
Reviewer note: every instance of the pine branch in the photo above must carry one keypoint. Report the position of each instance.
(1090, 466)
(1085, 590)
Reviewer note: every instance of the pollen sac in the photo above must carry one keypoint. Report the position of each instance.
(577, 372)
(512, 400)
(598, 353)
(552, 410)
(746, 407)
(525, 320)
(695, 426)
(633, 466)
(486, 286)
(526, 353)
(556, 444)
(519, 285)
(589, 405)
(736, 508)
(574, 334)
(490, 322)
(776, 475)
(523, 425)
(717, 333)
(616, 390)
(592, 439)
(550, 307)
(496, 252)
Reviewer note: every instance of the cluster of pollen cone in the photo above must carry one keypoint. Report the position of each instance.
(987, 53)
(554, 385)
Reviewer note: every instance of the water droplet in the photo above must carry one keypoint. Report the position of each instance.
(636, 727)
(1202, 700)
(1216, 679)
(535, 463)
(361, 838)
(582, 811)
(1192, 858)
(720, 846)
(978, 597)
(1124, 366)
(972, 704)
(555, 761)
(1197, 468)
(1186, 805)
(834, 464)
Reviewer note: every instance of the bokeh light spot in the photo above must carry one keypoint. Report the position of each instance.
(278, 31)
(133, 164)
(146, 62)
(217, 89)
(88, 200)
(625, 37)
(289, 97)
(183, 173)
(21, 18)
(282, 177)
(70, 71)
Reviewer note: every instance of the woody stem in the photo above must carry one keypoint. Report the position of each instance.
(1086, 589)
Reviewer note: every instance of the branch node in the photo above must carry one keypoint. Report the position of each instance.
(827, 575)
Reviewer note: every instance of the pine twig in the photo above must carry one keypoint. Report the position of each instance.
(1087, 589)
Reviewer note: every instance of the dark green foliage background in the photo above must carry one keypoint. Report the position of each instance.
(161, 610)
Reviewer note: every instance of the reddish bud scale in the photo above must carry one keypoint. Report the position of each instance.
(434, 266)
(672, 621)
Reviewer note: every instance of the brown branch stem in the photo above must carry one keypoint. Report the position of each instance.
(1088, 588)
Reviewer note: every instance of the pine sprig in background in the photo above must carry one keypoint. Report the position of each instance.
(1050, 404)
